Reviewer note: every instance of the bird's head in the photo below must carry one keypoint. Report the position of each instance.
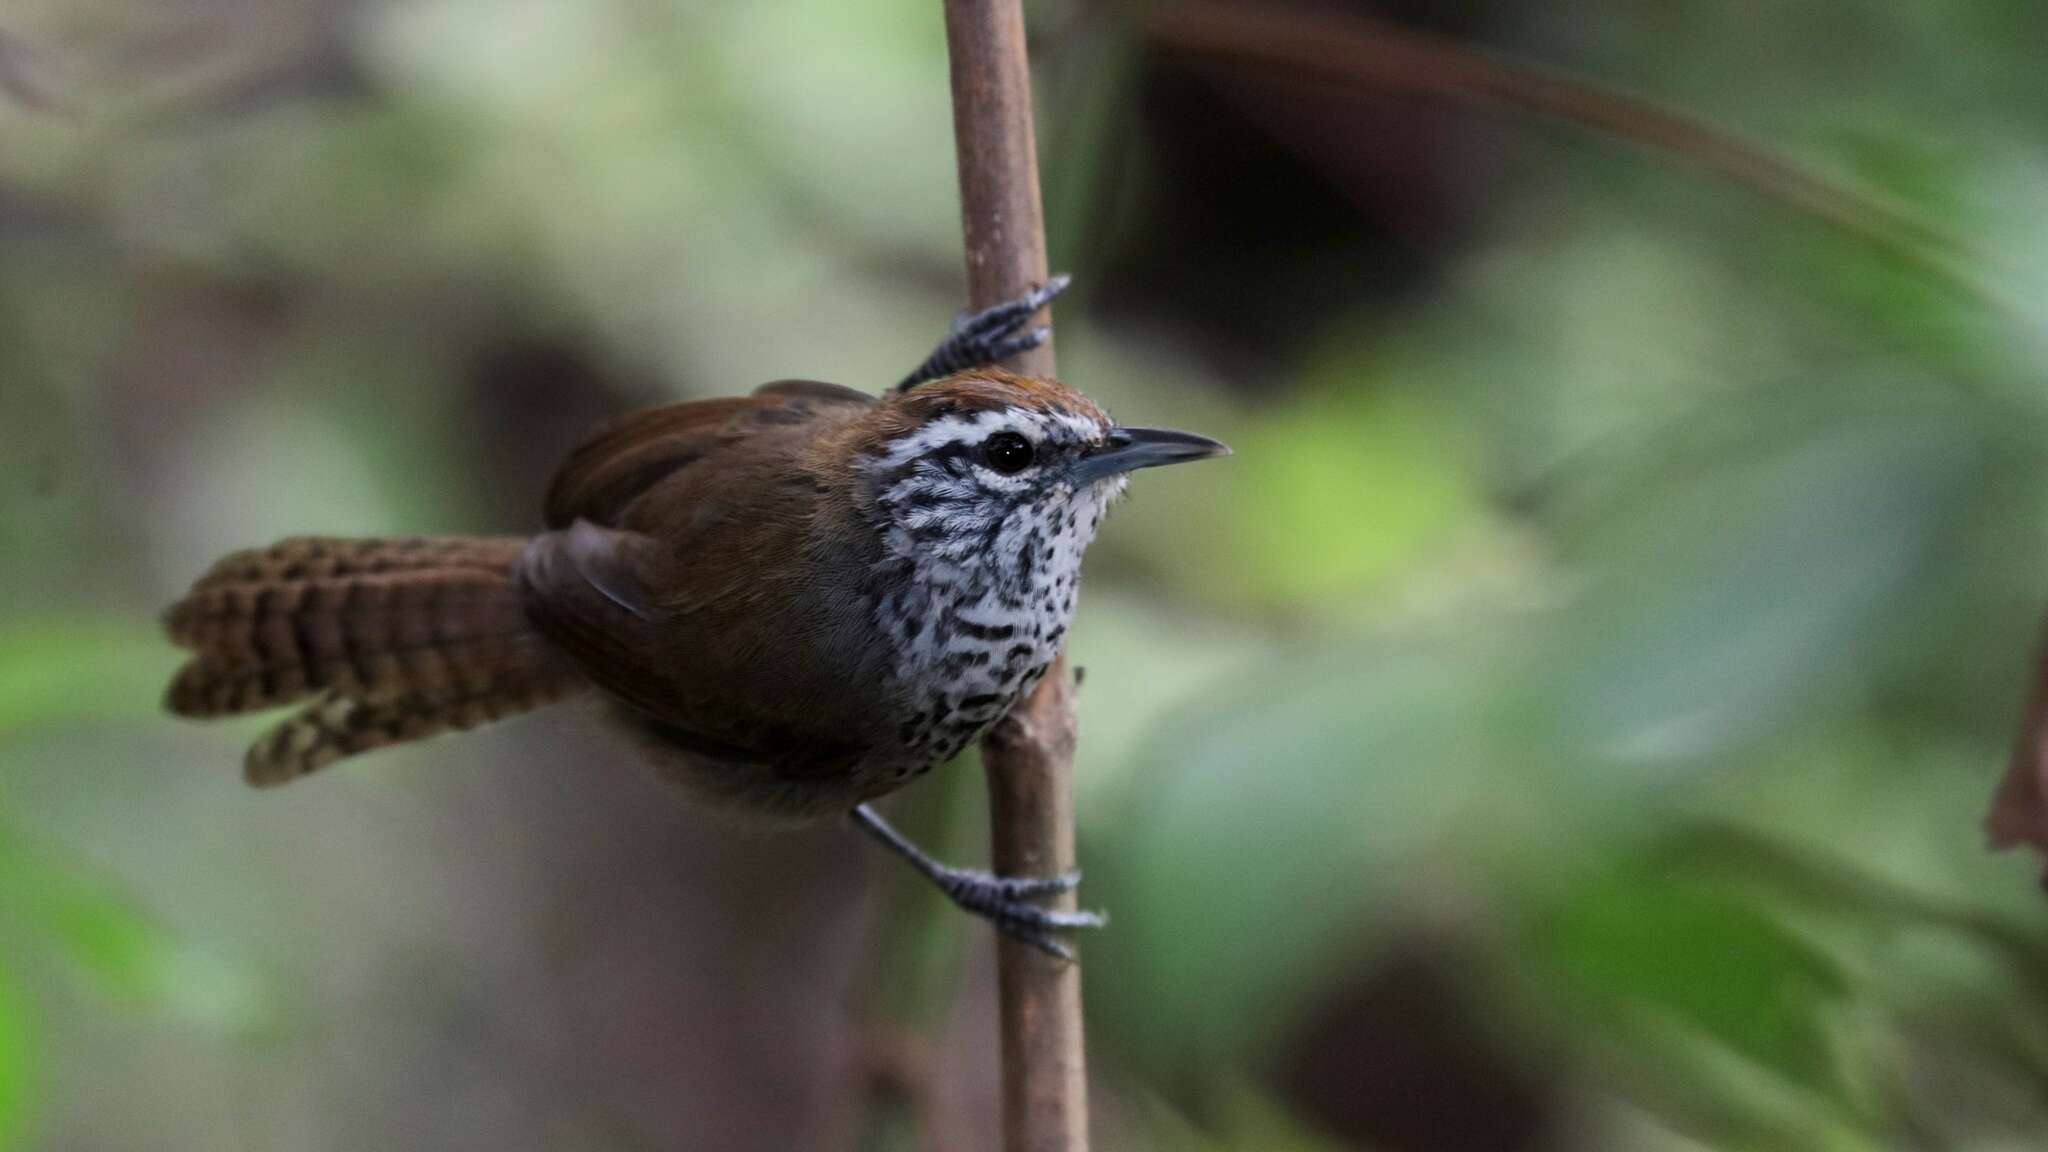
(987, 466)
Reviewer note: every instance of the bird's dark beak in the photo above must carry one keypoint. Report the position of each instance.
(1129, 449)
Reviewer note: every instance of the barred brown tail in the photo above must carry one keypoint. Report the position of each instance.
(391, 640)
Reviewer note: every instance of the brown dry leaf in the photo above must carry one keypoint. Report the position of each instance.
(2019, 810)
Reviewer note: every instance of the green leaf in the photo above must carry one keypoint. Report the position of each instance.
(1908, 305)
(1630, 942)
(1752, 591)
(1703, 1004)
(1273, 824)
(103, 938)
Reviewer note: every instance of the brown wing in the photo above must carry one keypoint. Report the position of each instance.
(732, 688)
(591, 591)
(686, 578)
(636, 452)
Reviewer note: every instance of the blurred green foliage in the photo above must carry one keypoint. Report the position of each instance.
(89, 671)
(57, 670)
(1631, 606)
(17, 1055)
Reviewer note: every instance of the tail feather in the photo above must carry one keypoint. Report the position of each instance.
(208, 686)
(317, 557)
(394, 639)
(335, 726)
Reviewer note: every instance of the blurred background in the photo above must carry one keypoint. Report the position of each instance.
(1565, 724)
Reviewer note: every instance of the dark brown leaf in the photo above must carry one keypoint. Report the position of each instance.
(2019, 810)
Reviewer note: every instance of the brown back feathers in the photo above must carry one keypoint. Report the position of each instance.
(390, 639)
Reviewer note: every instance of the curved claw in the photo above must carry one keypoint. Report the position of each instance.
(1003, 319)
(990, 335)
(1003, 901)
(1044, 294)
(1040, 885)
(1032, 916)
(1045, 944)
(973, 884)
(996, 899)
(1033, 925)
(1009, 346)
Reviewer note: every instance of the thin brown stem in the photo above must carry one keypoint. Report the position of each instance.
(1029, 758)
(1356, 51)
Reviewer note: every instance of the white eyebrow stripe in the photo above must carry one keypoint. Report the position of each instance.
(945, 430)
(1035, 426)
(1084, 428)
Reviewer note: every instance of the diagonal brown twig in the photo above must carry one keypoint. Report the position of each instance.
(1356, 51)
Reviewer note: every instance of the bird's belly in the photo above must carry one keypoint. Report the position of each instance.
(964, 696)
(791, 776)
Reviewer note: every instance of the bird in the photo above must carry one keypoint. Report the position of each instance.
(799, 600)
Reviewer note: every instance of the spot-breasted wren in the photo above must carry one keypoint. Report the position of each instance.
(803, 598)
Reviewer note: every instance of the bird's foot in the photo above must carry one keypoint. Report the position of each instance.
(1004, 901)
(990, 335)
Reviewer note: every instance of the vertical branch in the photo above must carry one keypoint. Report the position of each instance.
(1030, 756)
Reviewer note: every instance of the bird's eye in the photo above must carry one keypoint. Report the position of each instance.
(1007, 452)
